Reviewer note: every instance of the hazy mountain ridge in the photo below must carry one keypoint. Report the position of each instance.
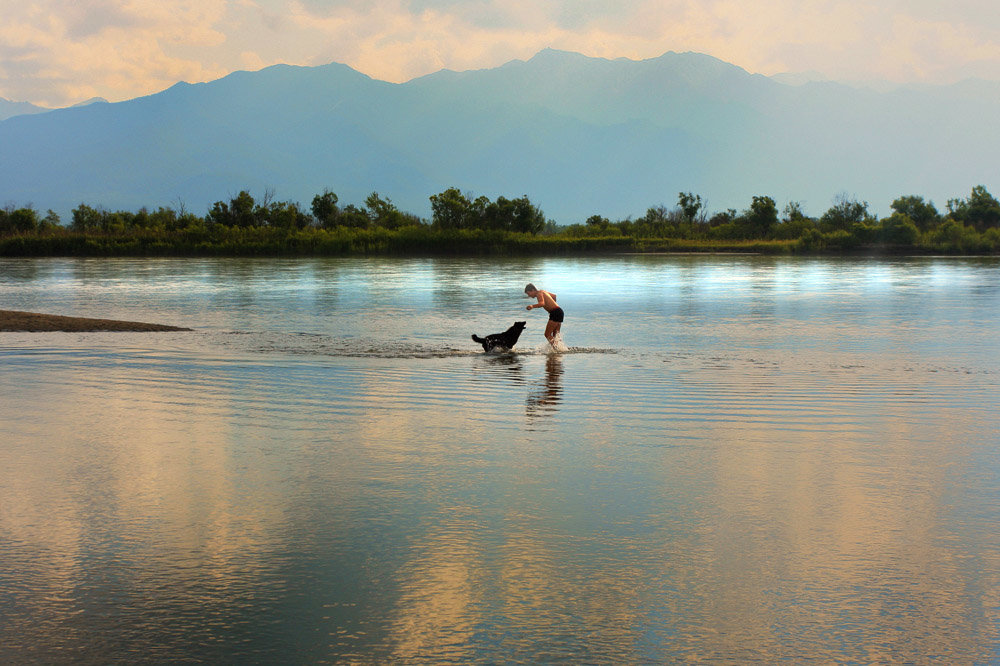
(9, 109)
(578, 135)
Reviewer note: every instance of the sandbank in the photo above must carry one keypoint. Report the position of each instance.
(13, 320)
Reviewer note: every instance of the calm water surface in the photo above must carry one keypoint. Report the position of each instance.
(739, 459)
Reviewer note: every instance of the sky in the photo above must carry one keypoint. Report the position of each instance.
(60, 52)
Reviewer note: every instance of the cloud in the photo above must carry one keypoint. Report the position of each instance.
(902, 41)
(60, 51)
(927, 50)
(57, 52)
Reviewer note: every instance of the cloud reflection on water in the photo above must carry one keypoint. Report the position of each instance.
(766, 500)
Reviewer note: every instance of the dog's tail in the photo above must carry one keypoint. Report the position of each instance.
(476, 338)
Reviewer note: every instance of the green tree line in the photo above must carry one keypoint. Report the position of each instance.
(970, 225)
(463, 224)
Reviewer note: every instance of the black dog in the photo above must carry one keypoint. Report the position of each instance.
(501, 341)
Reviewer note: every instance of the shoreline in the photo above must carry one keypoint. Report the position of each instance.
(16, 321)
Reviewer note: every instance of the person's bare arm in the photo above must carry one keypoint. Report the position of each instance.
(546, 299)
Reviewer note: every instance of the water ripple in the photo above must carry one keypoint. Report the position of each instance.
(741, 460)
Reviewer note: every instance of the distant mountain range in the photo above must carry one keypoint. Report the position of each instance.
(578, 135)
(9, 109)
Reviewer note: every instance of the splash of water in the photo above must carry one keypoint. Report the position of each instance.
(557, 344)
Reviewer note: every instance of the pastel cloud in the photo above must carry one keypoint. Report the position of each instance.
(904, 41)
(57, 51)
(61, 51)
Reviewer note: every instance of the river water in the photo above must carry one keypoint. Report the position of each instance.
(739, 459)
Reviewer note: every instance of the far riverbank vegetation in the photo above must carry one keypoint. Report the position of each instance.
(463, 225)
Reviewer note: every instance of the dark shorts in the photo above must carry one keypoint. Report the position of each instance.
(556, 315)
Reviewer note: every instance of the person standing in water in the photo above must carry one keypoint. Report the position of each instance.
(547, 300)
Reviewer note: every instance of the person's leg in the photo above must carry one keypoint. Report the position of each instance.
(552, 330)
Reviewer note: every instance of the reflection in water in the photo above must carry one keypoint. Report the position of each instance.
(507, 365)
(544, 401)
(785, 461)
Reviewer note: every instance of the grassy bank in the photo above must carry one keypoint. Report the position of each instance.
(426, 241)
(263, 241)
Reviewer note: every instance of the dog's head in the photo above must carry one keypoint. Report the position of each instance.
(519, 325)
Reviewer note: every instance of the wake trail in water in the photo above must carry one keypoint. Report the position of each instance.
(310, 344)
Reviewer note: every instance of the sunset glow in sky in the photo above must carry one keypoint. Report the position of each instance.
(59, 52)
